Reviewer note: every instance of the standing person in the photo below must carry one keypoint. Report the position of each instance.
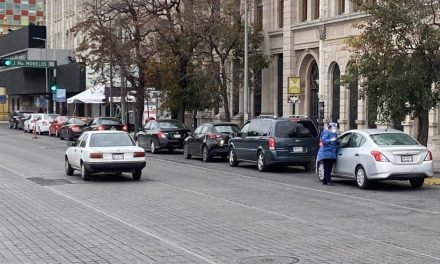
(328, 151)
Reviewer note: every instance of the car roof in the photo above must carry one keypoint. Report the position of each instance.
(372, 131)
(105, 132)
(221, 124)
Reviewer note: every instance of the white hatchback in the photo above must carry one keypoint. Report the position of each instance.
(104, 151)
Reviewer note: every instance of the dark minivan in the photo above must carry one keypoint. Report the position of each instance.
(276, 140)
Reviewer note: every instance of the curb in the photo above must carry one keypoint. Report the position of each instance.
(432, 181)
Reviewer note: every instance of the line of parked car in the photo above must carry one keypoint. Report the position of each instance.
(365, 155)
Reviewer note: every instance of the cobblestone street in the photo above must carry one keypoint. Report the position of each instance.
(188, 211)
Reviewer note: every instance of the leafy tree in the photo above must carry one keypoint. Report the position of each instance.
(397, 56)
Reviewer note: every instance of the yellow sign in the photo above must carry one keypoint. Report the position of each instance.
(294, 85)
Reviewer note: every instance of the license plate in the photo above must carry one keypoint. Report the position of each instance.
(118, 156)
(177, 136)
(298, 149)
(407, 158)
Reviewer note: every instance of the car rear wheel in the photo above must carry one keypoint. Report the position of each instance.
(320, 171)
(206, 156)
(232, 158)
(153, 147)
(70, 136)
(186, 154)
(68, 168)
(85, 174)
(361, 178)
(61, 135)
(136, 174)
(261, 162)
(417, 182)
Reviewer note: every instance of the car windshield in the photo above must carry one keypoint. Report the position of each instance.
(76, 121)
(393, 139)
(111, 140)
(295, 129)
(110, 121)
(227, 129)
(170, 124)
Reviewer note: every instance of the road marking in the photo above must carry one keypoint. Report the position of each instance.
(299, 187)
(336, 230)
(143, 231)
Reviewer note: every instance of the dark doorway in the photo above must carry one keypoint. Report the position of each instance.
(314, 91)
(336, 81)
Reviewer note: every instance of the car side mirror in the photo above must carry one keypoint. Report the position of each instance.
(70, 144)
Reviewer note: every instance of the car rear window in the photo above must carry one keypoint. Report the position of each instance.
(111, 140)
(171, 124)
(76, 121)
(227, 129)
(393, 139)
(110, 121)
(295, 129)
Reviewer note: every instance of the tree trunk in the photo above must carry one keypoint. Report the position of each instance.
(224, 93)
(423, 127)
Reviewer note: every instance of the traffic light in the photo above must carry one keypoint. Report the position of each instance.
(5, 62)
(53, 85)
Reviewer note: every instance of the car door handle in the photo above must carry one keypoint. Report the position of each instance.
(356, 155)
(340, 154)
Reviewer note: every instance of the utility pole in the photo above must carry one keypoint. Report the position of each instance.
(246, 88)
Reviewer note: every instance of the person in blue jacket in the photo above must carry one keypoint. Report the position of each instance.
(328, 150)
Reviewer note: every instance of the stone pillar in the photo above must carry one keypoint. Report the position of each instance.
(289, 55)
(433, 123)
(362, 114)
(344, 108)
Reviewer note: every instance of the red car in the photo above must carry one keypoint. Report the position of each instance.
(54, 128)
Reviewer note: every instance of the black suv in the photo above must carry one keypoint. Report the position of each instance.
(267, 141)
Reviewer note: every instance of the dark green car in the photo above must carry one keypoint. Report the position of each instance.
(267, 141)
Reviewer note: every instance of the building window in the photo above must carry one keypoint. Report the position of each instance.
(257, 92)
(336, 81)
(315, 9)
(259, 15)
(340, 7)
(314, 90)
(304, 8)
(280, 85)
(354, 90)
(281, 13)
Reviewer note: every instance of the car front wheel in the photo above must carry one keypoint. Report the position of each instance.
(69, 169)
(417, 182)
(232, 158)
(361, 178)
(85, 174)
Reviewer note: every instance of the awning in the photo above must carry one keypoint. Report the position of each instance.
(94, 95)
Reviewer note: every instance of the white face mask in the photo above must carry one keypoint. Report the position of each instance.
(333, 130)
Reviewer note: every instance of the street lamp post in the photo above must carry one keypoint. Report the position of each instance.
(245, 85)
(47, 83)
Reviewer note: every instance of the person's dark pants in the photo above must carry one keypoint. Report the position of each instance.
(328, 166)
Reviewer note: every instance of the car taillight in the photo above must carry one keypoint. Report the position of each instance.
(160, 134)
(96, 155)
(378, 156)
(75, 128)
(428, 156)
(272, 144)
(125, 128)
(213, 136)
(101, 127)
(138, 154)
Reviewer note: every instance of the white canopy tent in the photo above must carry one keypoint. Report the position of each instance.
(95, 95)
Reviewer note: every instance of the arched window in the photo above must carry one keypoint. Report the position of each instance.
(314, 89)
(336, 95)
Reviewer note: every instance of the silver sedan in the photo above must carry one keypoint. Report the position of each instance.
(376, 154)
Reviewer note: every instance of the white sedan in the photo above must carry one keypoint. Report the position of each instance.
(104, 151)
(28, 125)
(43, 123)
(375, 154)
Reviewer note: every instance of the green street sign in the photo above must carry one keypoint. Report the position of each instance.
(28, 63)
